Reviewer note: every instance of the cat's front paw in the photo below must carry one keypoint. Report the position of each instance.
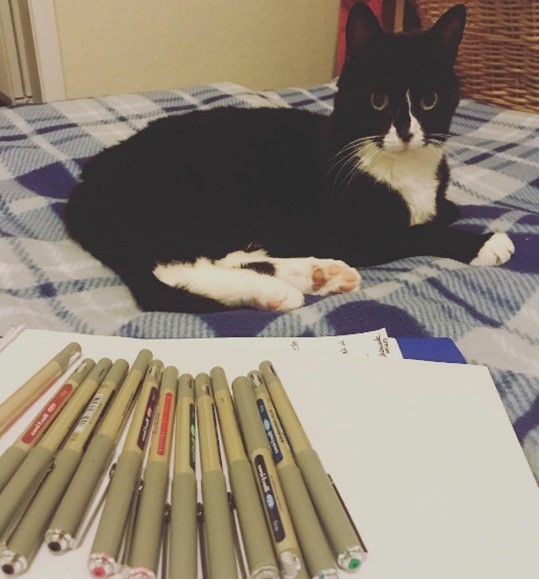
(284, 299)
(496, 250)
(330, 276)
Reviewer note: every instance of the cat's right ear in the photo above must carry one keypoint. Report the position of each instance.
(363, 31)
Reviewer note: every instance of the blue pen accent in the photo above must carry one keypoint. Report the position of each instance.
(270, 433)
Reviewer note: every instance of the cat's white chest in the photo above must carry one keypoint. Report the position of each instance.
(413, 174)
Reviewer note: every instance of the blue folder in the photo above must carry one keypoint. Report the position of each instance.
(432, 349)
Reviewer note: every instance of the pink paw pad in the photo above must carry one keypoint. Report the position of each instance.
(334, 277)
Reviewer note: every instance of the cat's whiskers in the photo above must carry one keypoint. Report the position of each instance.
(347, 157)
(351, 146)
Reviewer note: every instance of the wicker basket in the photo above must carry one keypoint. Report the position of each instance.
(498, 59)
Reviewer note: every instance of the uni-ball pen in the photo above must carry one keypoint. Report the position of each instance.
(182, 554)
(67, 520)
(35, 466)
(314, 546)
(345, 543)
(112, 527)
(27, 537)
(271, 493)
(218, 523)
(143, 554)
(254, 530)
(16, 404)
(12, 458)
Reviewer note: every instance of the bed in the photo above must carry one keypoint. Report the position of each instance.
(492, 314)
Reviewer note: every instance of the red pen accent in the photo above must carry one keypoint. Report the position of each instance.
(37, 428)
(163, 431)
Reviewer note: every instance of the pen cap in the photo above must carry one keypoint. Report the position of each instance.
(143, 359)
(170, 379)
(202, 385)
(117, 372)
(249, 417)
(186, 386)
(68, 354)
(259, 386)
(218, 379)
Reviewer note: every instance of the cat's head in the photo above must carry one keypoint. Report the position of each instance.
(398, 89)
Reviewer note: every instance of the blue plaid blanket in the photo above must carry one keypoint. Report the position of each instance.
(47, 281)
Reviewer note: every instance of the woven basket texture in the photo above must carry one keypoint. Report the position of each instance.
(498, 60)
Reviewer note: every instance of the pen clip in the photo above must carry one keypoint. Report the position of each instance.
(236, 536)
(164, 534)
(128, 533)
(341, 500)
(78, 539)
(202, 541)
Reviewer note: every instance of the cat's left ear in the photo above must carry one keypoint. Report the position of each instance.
(449, 30)
(363, 31)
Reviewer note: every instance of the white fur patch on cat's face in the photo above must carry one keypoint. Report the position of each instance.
(410, 168)
(392, 141)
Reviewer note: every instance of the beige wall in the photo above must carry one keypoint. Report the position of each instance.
(116, 46)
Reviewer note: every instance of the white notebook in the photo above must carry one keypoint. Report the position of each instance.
(423, 453)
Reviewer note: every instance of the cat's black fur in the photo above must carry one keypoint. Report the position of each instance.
(213, 182)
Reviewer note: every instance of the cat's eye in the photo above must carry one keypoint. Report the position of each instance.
(379, 101)
(429, 101)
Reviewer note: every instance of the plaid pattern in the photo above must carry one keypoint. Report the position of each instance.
(48, 282)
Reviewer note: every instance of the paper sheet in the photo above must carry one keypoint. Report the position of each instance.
(423, 453)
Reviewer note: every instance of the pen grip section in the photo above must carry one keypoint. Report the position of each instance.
(28, 535)
(22, 484)
(183, 528)
(125, 480)
(219, 530)
(84, 485)
(254, 530)
(328, 505)
(144, 549)
(10, 461)
(314, 546)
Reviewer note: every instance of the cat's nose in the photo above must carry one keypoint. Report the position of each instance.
(406, 136)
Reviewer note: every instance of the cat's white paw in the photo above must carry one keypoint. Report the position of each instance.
(331, 276)
(497, 249)
(277, 297)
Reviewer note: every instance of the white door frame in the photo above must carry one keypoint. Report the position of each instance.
(47, 48)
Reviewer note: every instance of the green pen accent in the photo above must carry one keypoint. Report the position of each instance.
(218, 524)
(314, 546)
(343, 538)
(105, 550)
(270, 489)
(182, 555)
(67, 521)
(17, 492)
(13, 457)
(255, 535)
(143, 558)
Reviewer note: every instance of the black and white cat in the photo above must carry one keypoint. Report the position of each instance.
(227, 207)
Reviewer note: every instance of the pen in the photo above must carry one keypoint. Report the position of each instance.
(143, 558)
(36, 464)
(67, 520)
(27, 537)
(16, 404)
(256, 538)
(183, 508)
(278, 516)
(218, 527)
(12, 458)
(346, 544)
(103, 560)
(314, 546)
